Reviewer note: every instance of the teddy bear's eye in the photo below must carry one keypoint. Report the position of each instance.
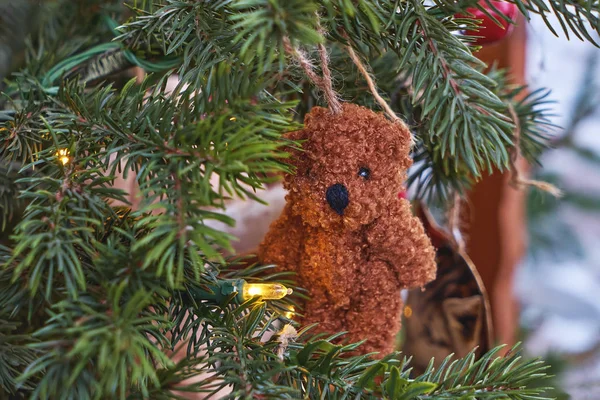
(364, 172)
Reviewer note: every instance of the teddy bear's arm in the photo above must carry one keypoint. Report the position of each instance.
(282, 244)
(399, 240)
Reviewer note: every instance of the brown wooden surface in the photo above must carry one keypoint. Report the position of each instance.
(496, 224)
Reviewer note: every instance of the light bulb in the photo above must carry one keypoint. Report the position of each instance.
(289, 314)
(63, 156)
(266, 291)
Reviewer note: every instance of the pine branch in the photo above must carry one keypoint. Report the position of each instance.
(79, 340)
(464, 125)
(489, 377)
(314, 367)
(577, 17)
(463, 115)
(436, 184)
(121, 288)
(200, 30)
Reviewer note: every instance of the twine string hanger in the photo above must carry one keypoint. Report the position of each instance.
(518, 179)
(371, 83)
(331, 96)
(373, 89)
(324, 83)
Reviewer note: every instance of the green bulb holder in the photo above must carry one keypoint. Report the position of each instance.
(221, 291)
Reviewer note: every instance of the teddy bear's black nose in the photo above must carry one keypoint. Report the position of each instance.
(337, 197)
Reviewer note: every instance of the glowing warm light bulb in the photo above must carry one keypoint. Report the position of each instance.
(289, 314)
(63, 156)
(266, 291)
(408, 312)
(232, 118)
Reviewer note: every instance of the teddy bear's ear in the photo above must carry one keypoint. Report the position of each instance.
(312, 120)
(404, 138)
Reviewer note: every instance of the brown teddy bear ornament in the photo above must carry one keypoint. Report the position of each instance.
(352, 242)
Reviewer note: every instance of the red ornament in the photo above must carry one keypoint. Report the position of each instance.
(489, 31)
(402, 194)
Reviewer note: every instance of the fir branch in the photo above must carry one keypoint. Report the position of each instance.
(79, 340)
(489, 377)
(171, 144)
(463, 122)
(472, 129)
(198, 30)
(577, 17)
(121, 287)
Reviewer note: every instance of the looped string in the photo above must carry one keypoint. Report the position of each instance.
(517, 178)
(324, 83)
(330, 94)
(372, 87)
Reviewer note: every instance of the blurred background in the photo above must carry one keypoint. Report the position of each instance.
(558, 282)
(547, 265)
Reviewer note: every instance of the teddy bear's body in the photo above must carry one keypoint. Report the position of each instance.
(353, 243)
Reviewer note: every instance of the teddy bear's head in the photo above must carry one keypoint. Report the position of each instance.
(351, 167)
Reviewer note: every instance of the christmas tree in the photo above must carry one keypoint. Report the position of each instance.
(97, 296)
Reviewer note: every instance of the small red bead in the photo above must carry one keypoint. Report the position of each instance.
(402, 194)
(489, 30)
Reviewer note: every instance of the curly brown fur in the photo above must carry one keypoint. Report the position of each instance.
(353, 264)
